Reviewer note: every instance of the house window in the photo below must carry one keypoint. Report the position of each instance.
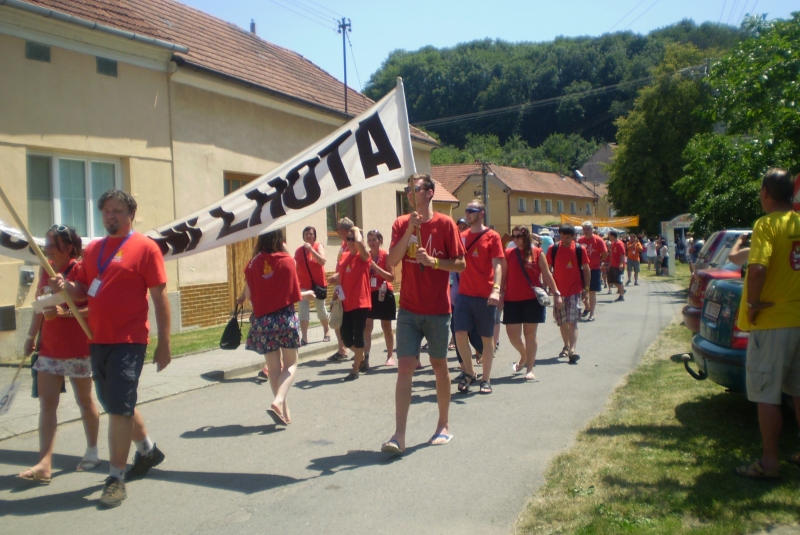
(537, 206)
(37, 52)
(588, 208)
(573, 207)
(523, 205)
(560, 207)
(548, 206)
(65, 189)
(107, 67)
(233, 181)
(403, 205)
(345, 208)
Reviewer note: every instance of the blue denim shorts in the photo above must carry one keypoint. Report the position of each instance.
(116, 369)
(472, 312)
(412, 328)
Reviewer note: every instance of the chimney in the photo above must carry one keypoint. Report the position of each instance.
(253, 26)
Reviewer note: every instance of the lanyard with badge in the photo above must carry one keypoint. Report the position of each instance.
(95, 286)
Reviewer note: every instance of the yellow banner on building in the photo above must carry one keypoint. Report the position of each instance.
(623, 222)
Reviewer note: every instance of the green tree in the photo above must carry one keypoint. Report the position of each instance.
(652, 138)
(757, 93)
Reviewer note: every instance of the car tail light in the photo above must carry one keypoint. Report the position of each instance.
(739, 338)
(700, 286)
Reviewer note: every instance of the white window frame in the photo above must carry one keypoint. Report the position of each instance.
(537, 206)
(560, 206)
(56, 182)
(522, 204)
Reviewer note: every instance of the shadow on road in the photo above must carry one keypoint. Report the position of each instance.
(233, 430)
(50, 503)
(353, 459)
(236, 482)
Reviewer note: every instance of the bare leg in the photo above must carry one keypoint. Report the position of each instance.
(304, 330)
(442, 394)
(388, 337)
(359, 356)
(488, 356)
(284, 374)
(49, 394)
(530, 347)
(89, 414)
(462, 342)
(573, 337)
(139, 431)
(120, 430)
(514, 332)
(342, 349)
(368, 335)
(565, 334)
(770, 421)
(592, 303)
(402, 396)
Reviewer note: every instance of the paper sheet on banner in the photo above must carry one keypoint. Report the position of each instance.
(372, 149)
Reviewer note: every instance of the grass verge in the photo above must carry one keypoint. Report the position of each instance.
(660, 459)
(681, 277)
(189, 342)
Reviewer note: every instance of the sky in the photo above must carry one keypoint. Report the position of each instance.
(378, 27)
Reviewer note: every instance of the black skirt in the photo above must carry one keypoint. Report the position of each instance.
(383, 310)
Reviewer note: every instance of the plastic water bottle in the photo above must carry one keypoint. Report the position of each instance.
(382, 292)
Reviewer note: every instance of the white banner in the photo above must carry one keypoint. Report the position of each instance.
(372, 149)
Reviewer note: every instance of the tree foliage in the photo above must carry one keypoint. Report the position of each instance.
(491, 74)
(652, 138)
(558, 154)
(756, 96)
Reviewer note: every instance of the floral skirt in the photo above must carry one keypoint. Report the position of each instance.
(273, 331)
(80, 368)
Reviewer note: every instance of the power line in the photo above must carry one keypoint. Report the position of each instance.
(640, 16)
(312, 11)
(741, 15)
(626, 15)
(733, 8)
(332, 12)
(352, 55)
(724, 3)
(302, 15)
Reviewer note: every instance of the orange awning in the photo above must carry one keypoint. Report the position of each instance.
(624, 221)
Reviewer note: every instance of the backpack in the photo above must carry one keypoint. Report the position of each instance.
(553, 251)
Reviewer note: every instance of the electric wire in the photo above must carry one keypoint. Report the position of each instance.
(733, 8)
(724, 3)
(741, 15)
(326, 8)
(302, 15)
(310, 10)
(641, 15)
(626, 15)
(355, 66)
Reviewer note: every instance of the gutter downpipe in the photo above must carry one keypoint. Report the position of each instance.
(77, 21)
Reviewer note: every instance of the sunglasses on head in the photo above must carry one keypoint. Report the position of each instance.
(473, 210)
(407, 189)
(61, 229)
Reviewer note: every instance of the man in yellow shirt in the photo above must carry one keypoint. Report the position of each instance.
(770, 310)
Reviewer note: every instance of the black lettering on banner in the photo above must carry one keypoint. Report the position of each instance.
(372, 127)
(334, 161)
(310, 184)
(275, 208)
(180, 238)
(8, 241)
(227, 219)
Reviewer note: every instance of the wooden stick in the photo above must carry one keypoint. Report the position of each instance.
(414, 207)
(45, 264)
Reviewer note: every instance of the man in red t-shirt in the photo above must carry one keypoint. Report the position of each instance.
(596, 248)
(116, 274)
(572, 276)
(478, 293)
(616, 265)
(428, 244)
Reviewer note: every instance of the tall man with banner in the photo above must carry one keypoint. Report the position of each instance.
(429, 245)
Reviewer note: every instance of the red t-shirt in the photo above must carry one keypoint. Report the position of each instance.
(273, 283)
(428, 292)
(374, 276)
(478, 278)
(617, 254)
(517, 286)
(634, 251)
(63, 338)
(566, 270)
(317, 270)
(594, 246)
(354, 279)
(118, 311)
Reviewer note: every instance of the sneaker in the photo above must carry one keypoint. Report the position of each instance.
(336, 357)
(636, 284)
(620, 298)
(113, 493)
(585, 313)
(573, 358)
(628, 283)
(351, 377)
(143, 463)
(609, 290)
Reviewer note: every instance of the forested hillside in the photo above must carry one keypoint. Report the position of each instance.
(490, 74)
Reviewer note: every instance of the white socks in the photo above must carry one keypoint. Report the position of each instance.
(119, 473)
(144, 447)
(91, 454)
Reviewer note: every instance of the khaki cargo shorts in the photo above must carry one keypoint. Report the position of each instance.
(773, 364)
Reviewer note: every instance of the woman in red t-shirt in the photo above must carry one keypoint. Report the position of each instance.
(63, 352)
(353, 271)
(310, 260)
(273, 289)
(522, 312)
(384, 308)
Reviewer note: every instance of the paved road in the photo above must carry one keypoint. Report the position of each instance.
(229, 470)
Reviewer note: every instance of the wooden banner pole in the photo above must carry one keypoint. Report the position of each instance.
(43, 261)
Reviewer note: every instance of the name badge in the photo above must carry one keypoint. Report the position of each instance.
(373, 282)
(94, 288)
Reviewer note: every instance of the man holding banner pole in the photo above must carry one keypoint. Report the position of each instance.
(424, 302)
(116, 274)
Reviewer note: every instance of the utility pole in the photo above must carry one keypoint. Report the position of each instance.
(344, 27)
(486, 176)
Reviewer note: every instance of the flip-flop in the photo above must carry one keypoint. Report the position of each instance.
(326, 338)
(393, 447)
(756, 471)
(531, 378)
(444, 437)
(516, 368)
(277, 417)
(35, 477)
(87, 465)
(564, 353)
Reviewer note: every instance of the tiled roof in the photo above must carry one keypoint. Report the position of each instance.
(223, 48)
(516, 179)
(440, 194)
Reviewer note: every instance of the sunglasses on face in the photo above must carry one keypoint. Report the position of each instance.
(517, 236)
(350, 238)
(407, 189)
(473, 210)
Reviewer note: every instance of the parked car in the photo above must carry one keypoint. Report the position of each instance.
(720, 348)
(717, 248)
(700, 281)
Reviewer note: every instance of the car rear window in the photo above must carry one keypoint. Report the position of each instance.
(711, 243)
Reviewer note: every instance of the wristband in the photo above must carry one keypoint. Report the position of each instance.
(30, 337)
(435, 263)
(495, 287)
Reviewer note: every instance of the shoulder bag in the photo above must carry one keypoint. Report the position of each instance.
(335, 318)
(232, 335)
(320, 292)
(541, 295)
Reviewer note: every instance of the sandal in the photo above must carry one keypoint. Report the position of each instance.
(35, 477)
(756, 471)
(516, 368)
(463, 384)
(326, 338)
(486, 387)
(564, 353)
(87, 465)
(336, 357)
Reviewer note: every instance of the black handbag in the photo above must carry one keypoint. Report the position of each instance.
(320, 292)
(232, 335)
